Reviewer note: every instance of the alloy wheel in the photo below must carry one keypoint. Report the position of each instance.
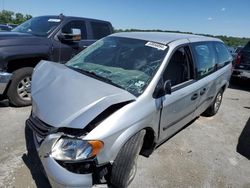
(217, 102)
(24, 88)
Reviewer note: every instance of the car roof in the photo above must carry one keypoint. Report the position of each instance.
(88, 19)
(74, 18)
(164, 37)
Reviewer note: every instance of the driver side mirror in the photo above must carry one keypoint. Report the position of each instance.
(167, 87)
(74, 35)
(162, 88)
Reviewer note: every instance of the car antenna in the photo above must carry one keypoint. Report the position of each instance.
(61, 15)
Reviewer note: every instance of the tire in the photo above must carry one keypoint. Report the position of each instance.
(124, 167)
(213, 109)
(19, 89)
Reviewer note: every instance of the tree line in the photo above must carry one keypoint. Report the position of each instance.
(10, 17)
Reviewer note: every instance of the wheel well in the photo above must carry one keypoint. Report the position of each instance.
(25, 62)
(223, 87)
(148, 143)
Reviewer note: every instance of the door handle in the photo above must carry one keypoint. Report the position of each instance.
(195, 96)
(203, 91)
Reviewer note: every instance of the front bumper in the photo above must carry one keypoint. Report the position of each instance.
(57, 175)
(241, 73)
(60, 177)
(4, 80)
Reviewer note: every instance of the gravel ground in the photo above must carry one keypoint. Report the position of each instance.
(211, 152)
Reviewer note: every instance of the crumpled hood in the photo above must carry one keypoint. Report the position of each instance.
(65, 98)
(21, 39)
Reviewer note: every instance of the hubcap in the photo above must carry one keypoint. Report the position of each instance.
(217, 102)
(23, 88)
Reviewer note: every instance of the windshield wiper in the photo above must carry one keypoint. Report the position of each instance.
(94, 75)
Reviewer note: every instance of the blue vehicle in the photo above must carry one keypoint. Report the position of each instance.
(53, 38)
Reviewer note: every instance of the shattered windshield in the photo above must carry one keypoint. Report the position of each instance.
(40, 26)
(127, 63)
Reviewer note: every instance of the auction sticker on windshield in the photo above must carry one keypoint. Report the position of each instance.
(140, 83)
(156, 45)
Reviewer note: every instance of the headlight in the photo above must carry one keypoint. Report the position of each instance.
(68, 149)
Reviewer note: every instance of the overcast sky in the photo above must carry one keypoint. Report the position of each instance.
(216, 17)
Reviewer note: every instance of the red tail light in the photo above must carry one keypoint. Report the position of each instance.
(238, 59)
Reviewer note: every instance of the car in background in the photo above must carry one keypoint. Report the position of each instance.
(53, 38)
(236, 51)
(4, 27)
(241, 65)
(12, 25)
(230, 49)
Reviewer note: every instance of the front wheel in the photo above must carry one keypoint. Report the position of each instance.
(213, 109)
(19, 93)
(125, 165)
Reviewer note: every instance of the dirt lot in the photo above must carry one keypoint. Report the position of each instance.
(211, 152)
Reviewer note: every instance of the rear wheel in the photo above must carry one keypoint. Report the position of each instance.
(213, 109)
(19, 93)
(125, 165)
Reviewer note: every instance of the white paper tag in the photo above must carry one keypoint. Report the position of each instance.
(54, 20)
(139, 83)
(156, 45)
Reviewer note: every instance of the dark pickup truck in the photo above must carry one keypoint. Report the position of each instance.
(53, 38)
(241, 68)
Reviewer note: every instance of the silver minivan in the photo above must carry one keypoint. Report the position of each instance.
(123, 96)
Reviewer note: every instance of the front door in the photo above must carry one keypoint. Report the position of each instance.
(178, 108)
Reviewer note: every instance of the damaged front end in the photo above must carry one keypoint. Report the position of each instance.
(64, 150)
(61, 122)
(67, 158)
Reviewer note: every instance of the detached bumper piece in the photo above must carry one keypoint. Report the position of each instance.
(4, 80)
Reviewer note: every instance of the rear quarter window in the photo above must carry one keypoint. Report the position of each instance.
(205, 58)
(100, 30)
(224, 57)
